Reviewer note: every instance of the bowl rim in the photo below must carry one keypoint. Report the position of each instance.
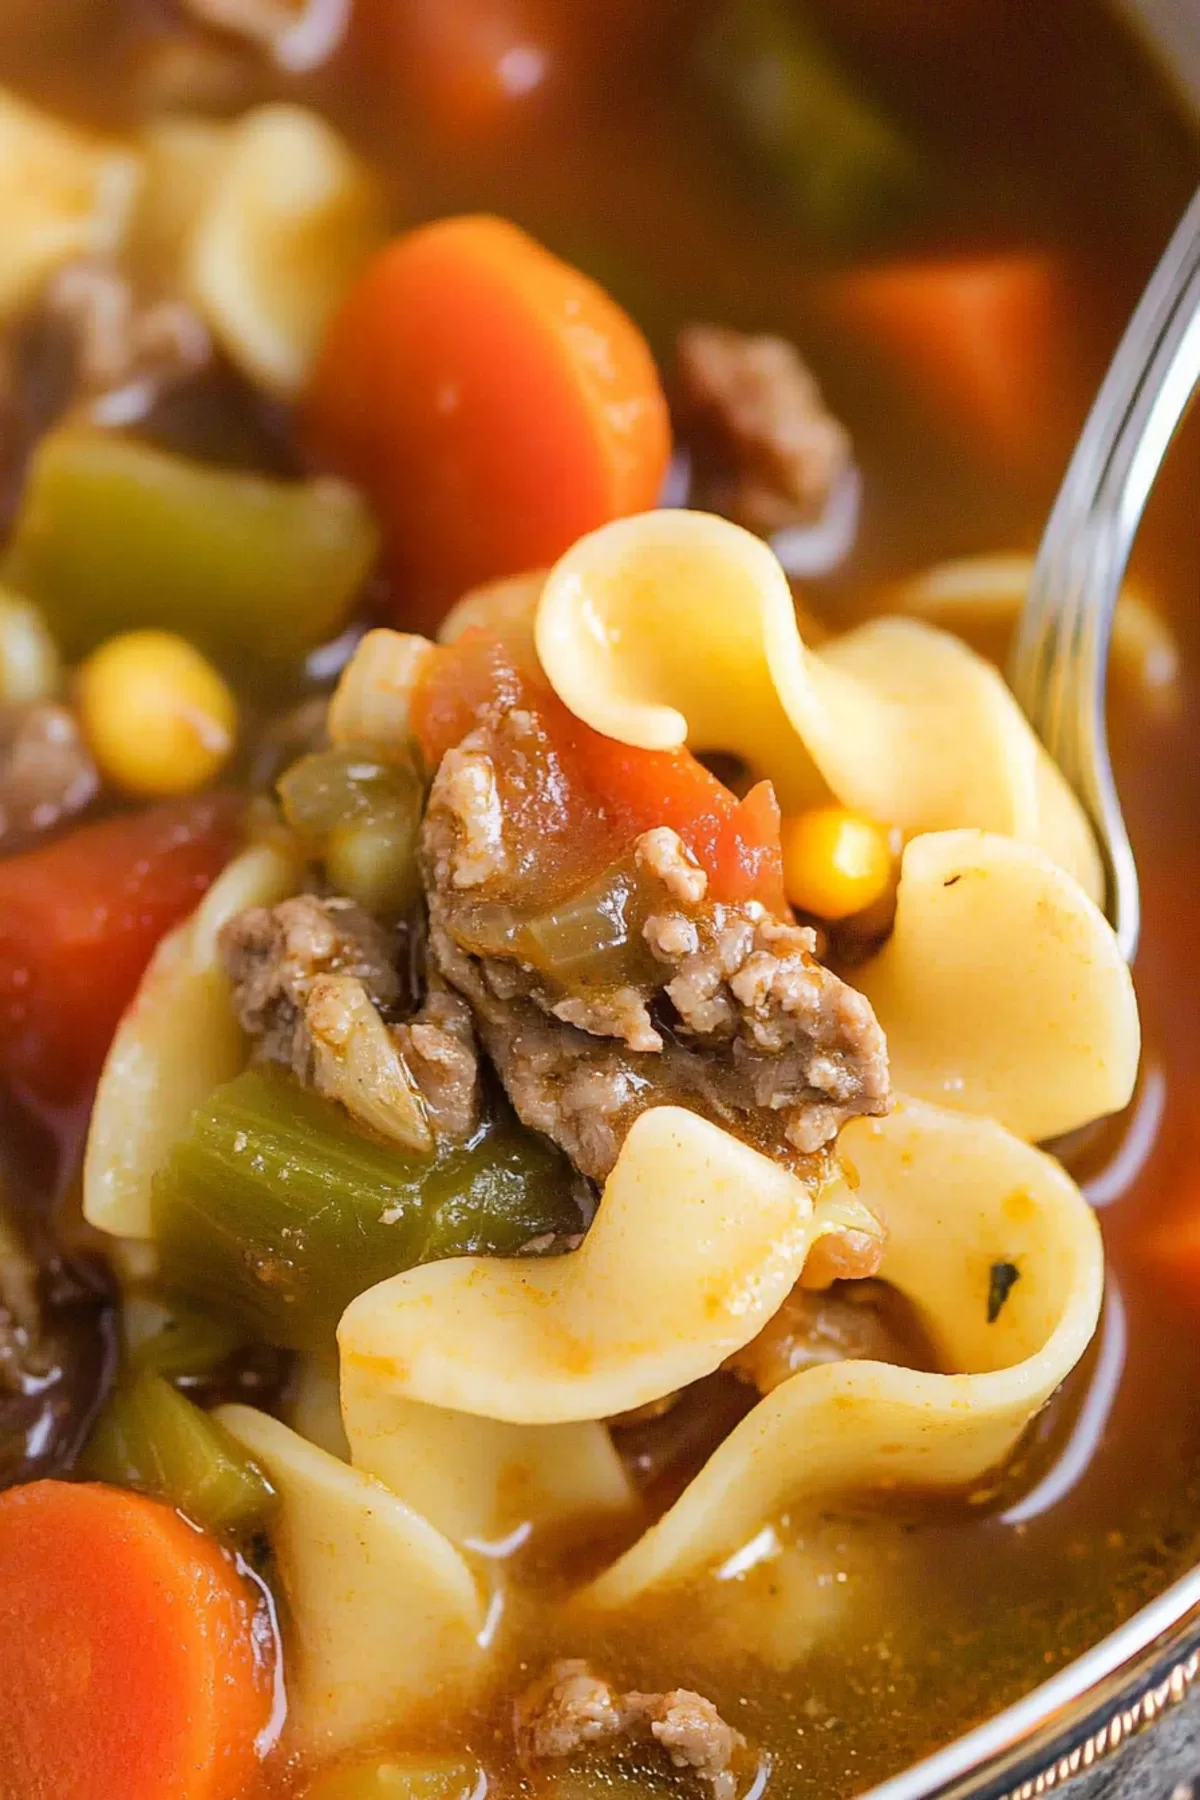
(1074, 1720)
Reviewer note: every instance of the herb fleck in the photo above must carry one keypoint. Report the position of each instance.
(1003, 1278)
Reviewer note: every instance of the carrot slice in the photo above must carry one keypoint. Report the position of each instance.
(78, 922)
(492, 401)
(127, 1640)
(985, 341)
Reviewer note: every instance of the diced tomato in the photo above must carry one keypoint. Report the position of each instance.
(78, 922)
(606, 793)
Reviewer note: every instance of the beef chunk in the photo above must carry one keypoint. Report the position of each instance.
(47, 775)
(572, 1711)
(721, 1008)
(849, 1321)
(273, 956)
(767, 451)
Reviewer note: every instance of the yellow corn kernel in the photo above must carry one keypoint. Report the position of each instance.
(158, 717)
(835, 862)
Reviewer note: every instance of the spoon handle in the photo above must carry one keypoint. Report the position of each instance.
(1060, 656)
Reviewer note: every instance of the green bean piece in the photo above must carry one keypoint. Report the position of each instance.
(114, 534)
(150, 1437)
(273, 1211)
(839, 167)
(413, 1777)
(362, 814)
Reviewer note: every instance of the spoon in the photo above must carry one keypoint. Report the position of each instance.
(1060, 657)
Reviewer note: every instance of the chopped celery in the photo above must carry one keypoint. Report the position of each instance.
(114, 534)
(591, 939)
(151, 1438)
(363, 813)
(274, 1212)
(415, 1776)
(176, 1341)
(594, 937)
(838, 165)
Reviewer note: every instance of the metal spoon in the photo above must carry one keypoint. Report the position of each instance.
(1060, 657)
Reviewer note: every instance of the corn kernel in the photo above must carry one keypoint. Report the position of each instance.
(158, 717)
(835, 862)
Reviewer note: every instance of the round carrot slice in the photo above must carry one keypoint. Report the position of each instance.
(127, 1642)
(492, 401)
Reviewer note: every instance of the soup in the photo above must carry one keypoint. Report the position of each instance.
(544, 1282)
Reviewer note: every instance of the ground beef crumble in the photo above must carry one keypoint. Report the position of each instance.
(273, 955)
(280, 960)
(47, 775)
(849, 1321)
(727, 1009)
(767, 451)
(570, 1711)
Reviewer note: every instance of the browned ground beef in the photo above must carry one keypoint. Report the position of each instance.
(850, 1321)
(438, 1044)
(276, 958)
(571, 1711)
(116, 341)
(47, 775)
(767, 451)
(721, 1008)
(274, 954)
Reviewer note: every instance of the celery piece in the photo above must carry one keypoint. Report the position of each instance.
(185, 1344)
(838, 165)
(273, 1211)
(151, 1438)
(590, 939)
(363, 813)
(114, 534)
(415, 1776)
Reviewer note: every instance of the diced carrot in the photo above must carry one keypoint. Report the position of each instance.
(606, 793)
(78, 922)
(132, 1667)
(492, 401)
(985, 342)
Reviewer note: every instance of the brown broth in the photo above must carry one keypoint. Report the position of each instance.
(928, 1617)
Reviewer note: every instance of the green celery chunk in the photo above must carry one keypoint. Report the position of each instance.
(839, 167)
(588, 941)
(113, 534)
(150, 1437)
(415, 1776)
(362, 812)
(273, 1211)
(176, 1341)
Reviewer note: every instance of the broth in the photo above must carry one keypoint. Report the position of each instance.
(933, 1615)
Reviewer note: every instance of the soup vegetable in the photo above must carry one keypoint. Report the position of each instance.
(559, 1052)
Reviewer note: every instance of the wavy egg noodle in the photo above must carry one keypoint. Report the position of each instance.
(676, 627)
(958, 1196)
(697, 1241)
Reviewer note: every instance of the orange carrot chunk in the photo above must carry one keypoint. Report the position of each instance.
(492, 401)
(127, 1642)
(985, 341)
